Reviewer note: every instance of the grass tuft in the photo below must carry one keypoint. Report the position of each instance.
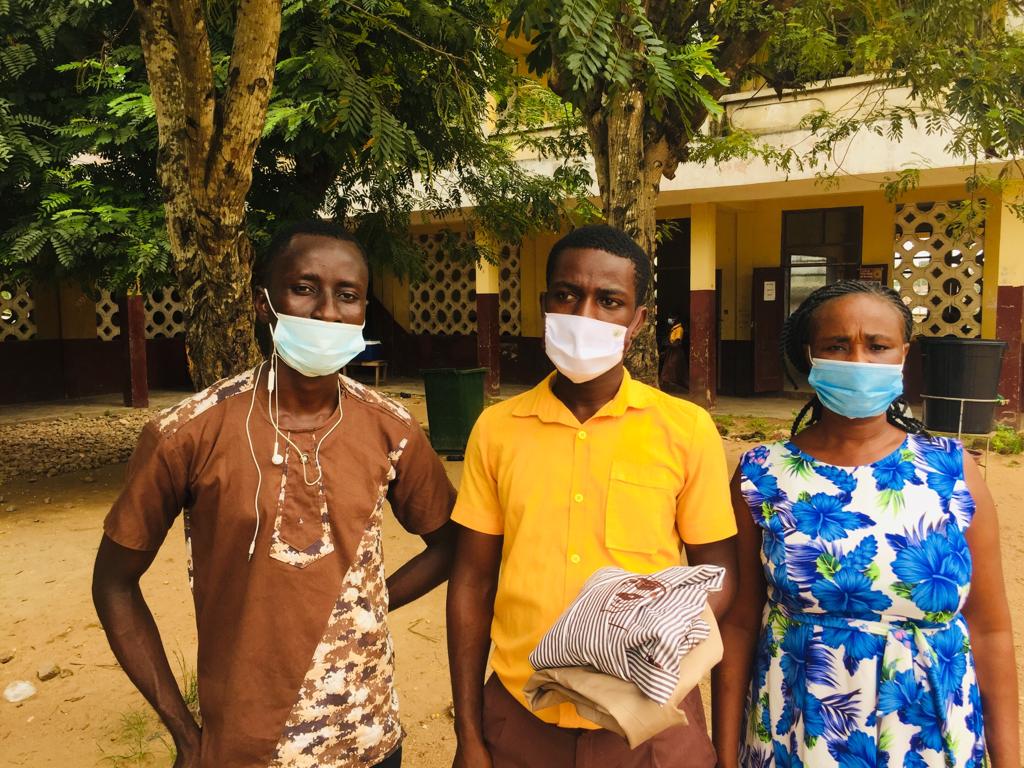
(1007, 441)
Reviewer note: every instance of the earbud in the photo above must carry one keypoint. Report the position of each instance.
(277, 459)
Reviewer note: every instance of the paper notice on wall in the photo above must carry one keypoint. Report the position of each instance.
(769, 290)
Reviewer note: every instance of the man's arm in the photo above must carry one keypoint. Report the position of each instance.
(428, 569)
(136, 643)
(471, 593)
(703, 513)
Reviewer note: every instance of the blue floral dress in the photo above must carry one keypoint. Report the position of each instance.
(864, 657)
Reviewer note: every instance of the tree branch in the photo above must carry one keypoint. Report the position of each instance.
(733, 57)
(699, 11)
(196, 69)
(160, 51)
(739, 50)
(250, 78)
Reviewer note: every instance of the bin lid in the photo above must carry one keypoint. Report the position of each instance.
(956, 341)
(457, 371)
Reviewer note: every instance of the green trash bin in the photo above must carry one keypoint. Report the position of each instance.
(455, 398)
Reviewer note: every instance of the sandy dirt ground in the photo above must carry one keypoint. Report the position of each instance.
(91, 715)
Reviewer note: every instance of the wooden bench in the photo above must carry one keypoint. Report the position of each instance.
(380, 369)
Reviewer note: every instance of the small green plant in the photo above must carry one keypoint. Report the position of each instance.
(135, 737)
(1007, 441)
(189, 686)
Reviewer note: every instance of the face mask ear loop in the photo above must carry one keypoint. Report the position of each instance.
(252, 452)
(269, 304)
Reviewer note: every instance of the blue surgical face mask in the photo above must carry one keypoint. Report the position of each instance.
(855, 390)
(315, 347)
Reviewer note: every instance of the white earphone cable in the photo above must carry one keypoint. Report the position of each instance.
(252, 451)
(275, 421)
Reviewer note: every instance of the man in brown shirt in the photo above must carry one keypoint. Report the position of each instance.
(281, 474)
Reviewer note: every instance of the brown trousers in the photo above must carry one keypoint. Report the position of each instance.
(516, 738)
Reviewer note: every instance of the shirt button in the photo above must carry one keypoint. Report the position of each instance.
(574, 559)
(582, 435)
(578, 498)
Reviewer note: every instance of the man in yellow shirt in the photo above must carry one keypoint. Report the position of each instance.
(588, 469)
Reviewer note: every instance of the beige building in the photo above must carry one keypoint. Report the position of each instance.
(748, 243)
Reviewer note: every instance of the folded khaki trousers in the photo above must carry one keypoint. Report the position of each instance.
(618, 705)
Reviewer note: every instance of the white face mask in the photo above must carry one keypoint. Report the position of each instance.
(583, 348)
(315, 347)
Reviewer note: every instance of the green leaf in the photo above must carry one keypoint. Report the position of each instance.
(885, 740)
(892, 499)
(798, 465)
(903, 590)
(827, 565)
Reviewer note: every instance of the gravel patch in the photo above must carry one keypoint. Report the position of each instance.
(50, 447)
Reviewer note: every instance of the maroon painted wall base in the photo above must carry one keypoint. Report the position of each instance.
(703, 363)
(488, 341)
(1009, 327)
(55, 369)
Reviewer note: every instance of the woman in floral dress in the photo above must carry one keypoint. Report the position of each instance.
(870, 626)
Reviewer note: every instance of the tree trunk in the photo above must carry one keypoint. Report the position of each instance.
(207, 143)
(629, 175)
(214, 276)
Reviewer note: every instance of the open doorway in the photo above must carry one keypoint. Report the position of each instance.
(672, 292)
(820, 246)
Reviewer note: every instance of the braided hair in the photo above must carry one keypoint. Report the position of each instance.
(796, 335)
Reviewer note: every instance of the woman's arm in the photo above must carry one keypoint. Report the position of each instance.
(740, 628)
(988, 618)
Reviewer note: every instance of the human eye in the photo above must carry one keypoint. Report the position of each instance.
(302, 289)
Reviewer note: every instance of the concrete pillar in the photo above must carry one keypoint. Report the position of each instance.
(488, 335)
(703, 362)
(1010, 299)
(133, 335)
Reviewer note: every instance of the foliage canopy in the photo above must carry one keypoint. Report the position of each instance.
(379, 109)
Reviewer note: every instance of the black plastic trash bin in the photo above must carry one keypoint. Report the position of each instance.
(455, 398)
(956, 372)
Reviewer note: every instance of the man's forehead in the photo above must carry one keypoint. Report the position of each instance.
(592, 266)
(306, 252)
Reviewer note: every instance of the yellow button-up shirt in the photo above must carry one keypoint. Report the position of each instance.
(644, 474)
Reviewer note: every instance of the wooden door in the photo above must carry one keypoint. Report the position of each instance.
(767, 316)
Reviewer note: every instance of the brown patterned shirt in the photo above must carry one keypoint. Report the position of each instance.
(295, 660)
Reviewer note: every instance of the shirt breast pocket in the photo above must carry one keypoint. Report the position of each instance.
(640, 511)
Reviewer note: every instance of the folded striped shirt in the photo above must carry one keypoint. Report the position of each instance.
(632, 626)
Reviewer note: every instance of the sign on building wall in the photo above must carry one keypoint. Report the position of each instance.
(877, 274)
